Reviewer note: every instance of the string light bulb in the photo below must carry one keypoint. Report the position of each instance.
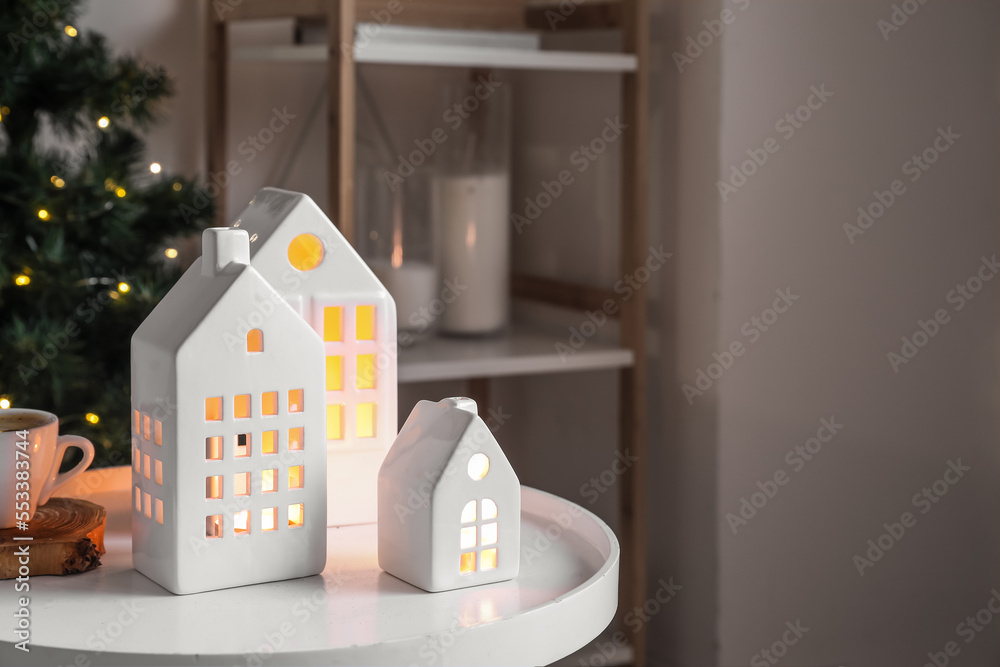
(92, 418)
(120, 191)
(103, 122)
(4, 403)
(155, 167)
(70, 30)
(43, 214)
(171, 253)
(21, 280)
(124, 287)
(58, 182)
(177, 186)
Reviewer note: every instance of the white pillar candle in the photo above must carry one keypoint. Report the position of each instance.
(472, 213)
(413, 286)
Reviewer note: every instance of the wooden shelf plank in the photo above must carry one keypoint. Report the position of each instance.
(448, 56)
(523, 351)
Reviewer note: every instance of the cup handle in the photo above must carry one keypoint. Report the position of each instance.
(55, 481)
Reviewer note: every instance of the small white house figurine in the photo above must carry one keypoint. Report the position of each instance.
(449, 503)
(229, 454)
(305, 258)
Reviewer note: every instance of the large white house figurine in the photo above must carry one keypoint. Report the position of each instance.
(305, 258)
(449, 503)
(229, 454)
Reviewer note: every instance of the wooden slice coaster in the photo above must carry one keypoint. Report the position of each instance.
(68, 537)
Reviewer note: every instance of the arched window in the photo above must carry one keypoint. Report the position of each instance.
(255, 341)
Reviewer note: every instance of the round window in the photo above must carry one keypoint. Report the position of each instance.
(479, 465)
(305, 252)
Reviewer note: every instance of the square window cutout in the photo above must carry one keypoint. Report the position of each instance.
(213, 448)
(213, 487)
(296, 515)
(268, 481)
(269, 442)
(296, 439)
(295, 477)
(468, 563)
(213, 526)
(269, 519)
(241, 406)
(295, 400)
(489, 559)
(242, 445)
(213, 409)
(241, 522)
(269, 403)
(241, 484)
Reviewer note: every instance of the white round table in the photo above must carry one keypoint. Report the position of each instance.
(351, 614)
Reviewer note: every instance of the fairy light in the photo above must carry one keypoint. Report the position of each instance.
(103, 122)
(56, 181)
(177, 186)
(123, 287)
(70, 30)
(171, 253)
(4, 403)
(43, 214)
(120, 191)
(22, 279)
(155, 167)
(92, 418)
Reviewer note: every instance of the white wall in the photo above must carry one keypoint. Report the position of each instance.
(826, 357)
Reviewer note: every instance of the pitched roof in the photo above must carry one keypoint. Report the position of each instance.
(274, 217)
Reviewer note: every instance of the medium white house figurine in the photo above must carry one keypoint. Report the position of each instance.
(229, 454)
(305, 258)
(449, 503)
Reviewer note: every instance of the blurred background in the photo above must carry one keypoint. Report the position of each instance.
(812, 190)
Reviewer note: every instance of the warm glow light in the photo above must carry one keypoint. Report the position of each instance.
(335, 421)
(155, 167)
(43, 214)
(366, 420)
(21, 280)
(305, 252)
(489, 509)
(120, 191)
(479, 465)
(92, 418)
(177, 186)
(268, 481)
(489, 560)
(171, 253)
(296, 515)
(469, 512)
(489, 533)
(4, 403)
(468, 563)
(365, 323)
(468, 538)
(70, 30)
(123, 288)
(103, 122)
(241, 522)
(56, 181)
(295, 479)
(268, 518)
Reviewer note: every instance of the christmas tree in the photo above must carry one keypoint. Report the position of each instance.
(85, 221)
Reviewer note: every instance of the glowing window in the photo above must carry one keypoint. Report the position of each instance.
(333, 317)
(269, 518)
(241, 522)
(468, 563)
(479, 465)
(305, 252)
(469, 512)
(296, 515)
(295, 400)
(213, 409)
(213, 526)
(269, 403)
(335, 422)
(242, 484)
(468, 540)
(295, 477)
(158, 474)
(159, 511)
(213, 448)
(334, 373)
(213, 487)
(158, 432)
(296, 438)
(242, 445)
(488, 531)
(147, 503)
(365, 323)
(366, 420)
(269, 442)
(138, 499)
(255, 341)
(136, 412)
(489, 509)
(489, 560)
(269, 481)
(145, 427)
(241, 406)
(145, 466)
(366, 371)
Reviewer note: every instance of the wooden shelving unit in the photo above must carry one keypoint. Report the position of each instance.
(526, 350)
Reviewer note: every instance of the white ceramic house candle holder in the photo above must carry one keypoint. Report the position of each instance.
(449, 503)
(229, 455)
(301, 253)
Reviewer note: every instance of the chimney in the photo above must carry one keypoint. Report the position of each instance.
(222, 247)
(462, 403)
